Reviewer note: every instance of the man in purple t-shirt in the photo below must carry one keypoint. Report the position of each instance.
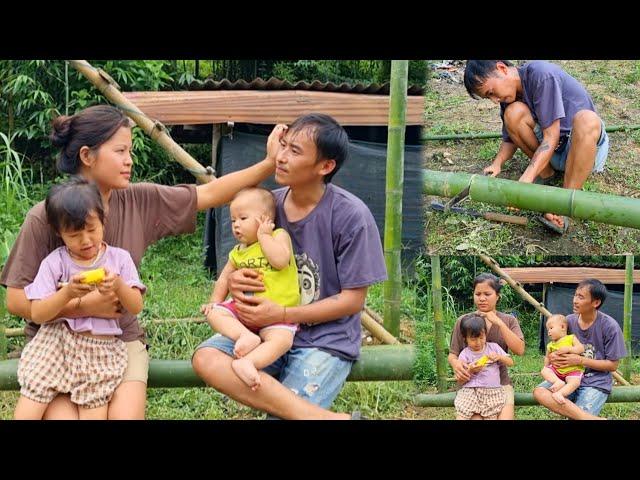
(339, 254)
(548, 115)
(604, 347)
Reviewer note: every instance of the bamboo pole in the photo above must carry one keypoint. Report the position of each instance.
(599, 207)
(393, 203)
(436, 291)
(377, 330)
(628, 305)
(14, 332)
(493, 265)
(109, 88)
(485, 135)
(380, 363)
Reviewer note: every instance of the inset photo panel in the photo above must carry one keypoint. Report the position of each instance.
(532, 156)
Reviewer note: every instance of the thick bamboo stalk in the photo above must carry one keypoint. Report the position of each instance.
(484, 135)
(379, 363)
(599, 207)
(618, 395)
(377, 330)
(392, 287)
(436, 278)
(155, 130)
(626, 330)
(493, 265)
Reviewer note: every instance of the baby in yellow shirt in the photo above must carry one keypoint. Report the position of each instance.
(565, 380)
(269, 252)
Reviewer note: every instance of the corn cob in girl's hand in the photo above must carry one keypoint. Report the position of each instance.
(93, 277)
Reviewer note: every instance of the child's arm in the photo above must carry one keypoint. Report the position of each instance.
(577, 347)
(503, 359)
(48, 308)
(130, 297)
(221, 287)
(277, 249)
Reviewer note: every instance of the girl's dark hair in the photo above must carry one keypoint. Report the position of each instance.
(476, 73)
(68, 204)
(472, 326)
(90, 127)
(492, 280)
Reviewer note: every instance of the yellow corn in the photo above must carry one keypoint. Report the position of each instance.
(93, 277)
(482, 361)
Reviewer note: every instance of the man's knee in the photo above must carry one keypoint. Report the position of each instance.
(540, 394)
(586, 126)
(516, 113)
(207, 363)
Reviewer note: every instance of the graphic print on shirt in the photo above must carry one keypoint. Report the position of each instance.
(589, 352)
(309, 279)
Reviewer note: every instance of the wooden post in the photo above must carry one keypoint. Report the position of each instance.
(436, 280)
(392, 288)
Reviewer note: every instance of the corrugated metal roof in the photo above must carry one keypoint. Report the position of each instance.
(316, 86)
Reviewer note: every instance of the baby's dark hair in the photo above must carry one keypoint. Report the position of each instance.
(492, 280)
(596, 288)
(472, 326)
(266, 198)
(68, 204)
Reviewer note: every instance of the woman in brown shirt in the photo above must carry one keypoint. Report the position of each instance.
(96, 143)
(502, 329)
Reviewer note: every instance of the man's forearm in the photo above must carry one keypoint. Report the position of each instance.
(541, 158)
(326, 310)
(506, 151)
(600, 365)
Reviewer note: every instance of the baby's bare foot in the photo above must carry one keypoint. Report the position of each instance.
(557, 386)
(245, 343)
(247, 372)
(557, 396)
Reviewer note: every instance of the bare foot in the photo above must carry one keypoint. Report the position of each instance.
(557, 219)
(245, 343)
(557, 396)
(247, 372)
(557, 386)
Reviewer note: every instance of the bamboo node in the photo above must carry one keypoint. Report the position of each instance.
(107, 78)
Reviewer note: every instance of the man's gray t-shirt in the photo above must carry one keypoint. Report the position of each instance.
(551, 94)
(337, 246)
(603, 340)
